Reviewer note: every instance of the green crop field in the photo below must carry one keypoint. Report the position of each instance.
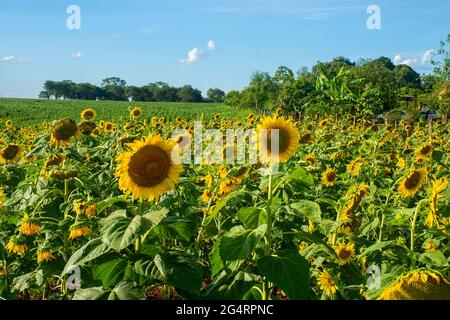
(26, 112)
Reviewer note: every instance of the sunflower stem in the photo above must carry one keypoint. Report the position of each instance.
(268, 238)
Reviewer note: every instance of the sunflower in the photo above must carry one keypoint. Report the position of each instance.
(2, 197)
(424, 151)
(90, 211)
(88, 114)
(206, 196)
(222, 171)
(329, 177)
(401, 163)
(345, 252)
(15, 247)
(288, 139)
(346, 214)
(310, 158)
(86, 127)
(44, 256)
(208, 179)
(413, 182)
(29, 228)
(78, 231)
(354, 167)
(63, 130)
(439, 186)
(54, 160)
(227, 186)
(418, 285)
(149, 169)
(109, 127)
(11, 154)
(326, 284)
(183, 140)
(79, 208)
(136, 112)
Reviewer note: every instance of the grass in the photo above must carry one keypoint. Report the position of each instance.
(28, 112)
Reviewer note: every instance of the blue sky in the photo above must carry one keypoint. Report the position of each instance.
(144, 41)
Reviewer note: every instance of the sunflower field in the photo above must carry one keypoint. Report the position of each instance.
(101, 210)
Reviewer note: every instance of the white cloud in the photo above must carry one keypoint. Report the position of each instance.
(77, 55)
(409, 62)
(211, 45)
(193, 56)
(427, 56)
(8, 59)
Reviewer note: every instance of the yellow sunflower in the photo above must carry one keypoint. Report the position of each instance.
(206, 196)
(439, 186)
(418, 285)
(227, 186)
(424, 151)
(88, 114)
(14, 246)
(63, 130)
(109, 127)
(326, 284)
(29, 228)
(136, 112)
(90, 210)
(354, 166)
(413, 182)
(78, 231)
(401, 163)
(310, 158)
(345, 252)
(149, 169)
(288, 139)
(2, 197)
(329, 177)
(9, 123)
(44, 256)
(11, 154)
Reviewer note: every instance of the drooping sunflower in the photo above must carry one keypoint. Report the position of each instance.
(29, 228)
(287, 142)
(439, 186)
(88, 114)
(11, 154)
(78, 231)
(329, 177)
(15, 246)
(413, 182)
(327, 284)
(354, 166)
(206, 196)
(149, 169)
(90, 211)
(136, 112)
(86, 127)
(63, 130)
(227, 186)
(418, 285)
(208, 179)
(44, 256)
(345, 252)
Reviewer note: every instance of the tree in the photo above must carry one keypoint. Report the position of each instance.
(283, 75)
(114, 89)
(189, 94)
(215, 95)
(261, 90)
(44, 95)
(233, 98)
(405, 76)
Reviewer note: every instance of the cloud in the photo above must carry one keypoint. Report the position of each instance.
(8, 59)
(427, 56)
(409, 62)
(193, 56)
(211, 45)
(77, 55)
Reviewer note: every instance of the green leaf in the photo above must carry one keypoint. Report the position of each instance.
(95, 293)
(88, 252)
(309, 209)
(222, 204)
(105, 204)
(176, 228)
(126, 291)
(110, 272)
(435, 258)
(375, 247)
(289, 271)
(174, 268)
(24, 282)
(252, 217)
(120, 231)
(237, 245)
(301, 175)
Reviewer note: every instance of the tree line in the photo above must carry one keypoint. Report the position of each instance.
(116, 89)
(366, 86)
